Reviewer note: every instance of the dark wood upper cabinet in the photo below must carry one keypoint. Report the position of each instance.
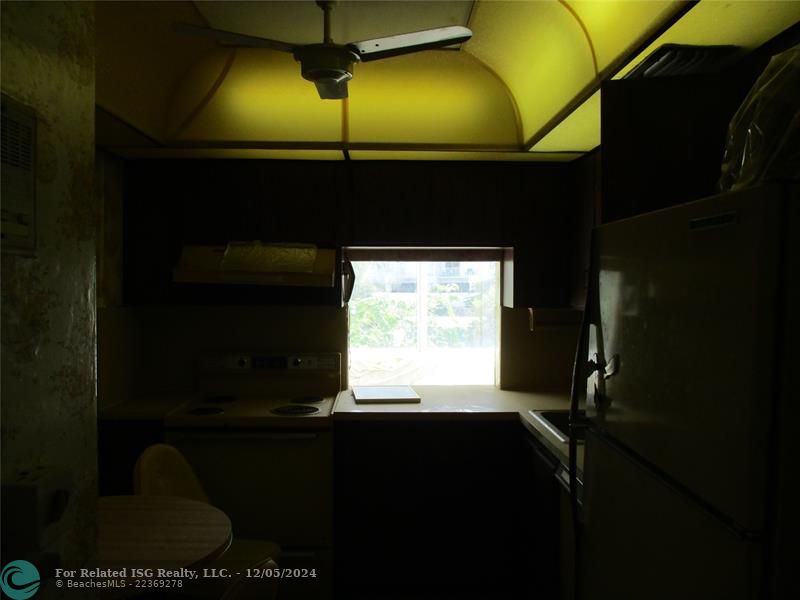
(585, 201)
(171, 203)
(663, 138)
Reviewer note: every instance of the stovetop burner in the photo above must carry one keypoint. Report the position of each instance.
(295, 409)
(307, 400)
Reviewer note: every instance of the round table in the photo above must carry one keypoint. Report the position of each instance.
(159, 531)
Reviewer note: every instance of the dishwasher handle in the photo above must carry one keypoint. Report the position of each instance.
(562, 477)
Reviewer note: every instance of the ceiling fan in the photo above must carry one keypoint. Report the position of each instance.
(330, 65)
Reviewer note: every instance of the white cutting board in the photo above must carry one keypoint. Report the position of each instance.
(385, 394)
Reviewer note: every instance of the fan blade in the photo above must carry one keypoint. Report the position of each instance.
(331, 89)
(405, 43)
(229, 38)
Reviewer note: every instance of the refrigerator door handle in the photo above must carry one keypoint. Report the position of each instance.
(611, 367)
(595, 364)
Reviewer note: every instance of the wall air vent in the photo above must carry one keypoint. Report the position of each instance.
(17, 142)
(18, 175)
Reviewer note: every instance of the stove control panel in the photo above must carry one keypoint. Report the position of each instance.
(326, 361)
(319, 362)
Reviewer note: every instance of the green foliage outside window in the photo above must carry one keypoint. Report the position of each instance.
(378, 322)
(459, 306)
(457, 319)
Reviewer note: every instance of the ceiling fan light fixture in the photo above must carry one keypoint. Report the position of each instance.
(332, 89)
(329, 66)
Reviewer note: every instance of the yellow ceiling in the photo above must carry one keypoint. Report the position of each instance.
(260, 97)
(743, 23)
(463, 103)
(550, 52)
(139, 60)
(527, 80)
(580, 131)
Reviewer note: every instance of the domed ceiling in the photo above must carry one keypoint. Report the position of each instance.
(524, 87)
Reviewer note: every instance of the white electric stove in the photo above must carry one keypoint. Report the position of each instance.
(259, 436)
(258, 391)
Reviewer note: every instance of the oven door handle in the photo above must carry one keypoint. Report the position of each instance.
(241, 436)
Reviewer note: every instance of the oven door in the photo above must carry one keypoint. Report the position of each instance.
(273, 485)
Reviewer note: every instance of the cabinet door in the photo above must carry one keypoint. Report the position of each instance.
(663, 138)
(275, 486)
(431, 509)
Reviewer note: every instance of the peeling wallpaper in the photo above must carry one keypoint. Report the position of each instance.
(48, 301)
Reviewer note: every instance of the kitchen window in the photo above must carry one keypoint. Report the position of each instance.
(424, 316)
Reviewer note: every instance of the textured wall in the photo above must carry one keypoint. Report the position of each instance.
(48, 301)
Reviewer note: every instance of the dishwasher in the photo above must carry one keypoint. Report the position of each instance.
(544, 507)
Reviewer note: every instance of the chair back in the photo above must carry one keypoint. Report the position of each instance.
(162, 470)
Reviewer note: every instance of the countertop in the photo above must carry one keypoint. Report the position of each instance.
(444, 403)
(450, 402)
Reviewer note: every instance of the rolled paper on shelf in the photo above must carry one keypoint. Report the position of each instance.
(270, 258)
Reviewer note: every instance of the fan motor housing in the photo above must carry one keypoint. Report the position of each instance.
(326, 61)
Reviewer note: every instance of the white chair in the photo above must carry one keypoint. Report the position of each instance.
(162, 470)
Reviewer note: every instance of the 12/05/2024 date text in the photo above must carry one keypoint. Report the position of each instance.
(277, 573)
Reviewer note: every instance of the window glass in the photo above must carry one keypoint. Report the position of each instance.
(424, 322)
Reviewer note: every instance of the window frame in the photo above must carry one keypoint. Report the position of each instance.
(424, 254)
(494, 254)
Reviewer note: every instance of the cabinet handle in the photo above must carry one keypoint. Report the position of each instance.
(562, 476)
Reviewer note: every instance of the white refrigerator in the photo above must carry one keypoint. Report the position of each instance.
(688, 489)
